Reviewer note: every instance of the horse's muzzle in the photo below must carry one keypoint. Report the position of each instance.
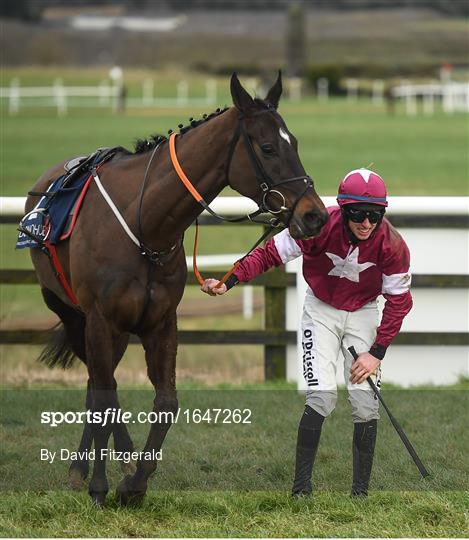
(308, 225)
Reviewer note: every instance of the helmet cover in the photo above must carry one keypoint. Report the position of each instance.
(362, 186)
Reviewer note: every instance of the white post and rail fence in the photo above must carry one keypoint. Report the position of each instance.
(432, 347)
(111, 93)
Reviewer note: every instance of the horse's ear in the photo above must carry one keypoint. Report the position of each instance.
(273, 95)
(241, 99)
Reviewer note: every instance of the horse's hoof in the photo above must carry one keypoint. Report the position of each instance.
(128, 468)
(98, 498)
(76, 479)
(127, 495)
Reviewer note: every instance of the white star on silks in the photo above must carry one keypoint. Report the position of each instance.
(348, 267)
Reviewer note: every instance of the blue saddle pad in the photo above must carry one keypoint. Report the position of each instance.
(52, 212)
(51, 215)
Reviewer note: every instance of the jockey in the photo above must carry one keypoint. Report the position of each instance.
(357, 257)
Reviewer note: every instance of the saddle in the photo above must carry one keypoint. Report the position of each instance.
(72, 165)
(54, 216)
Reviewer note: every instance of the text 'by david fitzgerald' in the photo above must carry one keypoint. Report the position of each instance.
(64, 454)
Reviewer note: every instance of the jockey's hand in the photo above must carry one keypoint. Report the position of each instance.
(210, 288)
(363, 367)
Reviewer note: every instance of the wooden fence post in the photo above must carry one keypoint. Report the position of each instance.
(275, 356)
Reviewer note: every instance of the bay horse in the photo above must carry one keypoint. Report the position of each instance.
(122, 289)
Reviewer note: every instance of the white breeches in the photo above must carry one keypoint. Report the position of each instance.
(326, 332)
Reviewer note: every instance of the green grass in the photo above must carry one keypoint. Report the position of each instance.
(416, 155)
(225, 514)
(165, 83)
(233, 480)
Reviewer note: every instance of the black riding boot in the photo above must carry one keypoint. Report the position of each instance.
(364, 439)
(309, 432)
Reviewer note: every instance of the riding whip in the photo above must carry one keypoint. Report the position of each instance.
(421, 467)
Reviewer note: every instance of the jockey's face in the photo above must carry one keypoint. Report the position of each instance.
(362, 230)
(362, 219)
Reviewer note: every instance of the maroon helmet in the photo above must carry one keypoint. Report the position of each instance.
(362, 186)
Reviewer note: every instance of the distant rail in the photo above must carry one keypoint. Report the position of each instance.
(454, 96)
(232, 206)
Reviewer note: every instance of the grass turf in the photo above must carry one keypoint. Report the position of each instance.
(419, 155)
(220, 479)
(225, 514)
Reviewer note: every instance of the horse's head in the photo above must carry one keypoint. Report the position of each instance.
(266, 167)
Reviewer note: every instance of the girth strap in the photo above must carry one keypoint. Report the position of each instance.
(59, 272)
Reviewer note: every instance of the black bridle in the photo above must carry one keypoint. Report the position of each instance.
(267, 185)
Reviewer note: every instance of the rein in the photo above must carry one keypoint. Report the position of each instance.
(198, 197)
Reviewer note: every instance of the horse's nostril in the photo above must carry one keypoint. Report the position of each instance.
(315, 220)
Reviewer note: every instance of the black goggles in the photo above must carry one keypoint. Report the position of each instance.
(359, 216)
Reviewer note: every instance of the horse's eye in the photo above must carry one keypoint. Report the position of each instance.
(267, 148)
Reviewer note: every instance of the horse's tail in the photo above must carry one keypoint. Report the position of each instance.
(58, 351)
(67, 340)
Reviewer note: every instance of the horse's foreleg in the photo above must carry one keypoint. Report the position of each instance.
(122, 440)
(99, 356)
(160, 354)
(79, 468)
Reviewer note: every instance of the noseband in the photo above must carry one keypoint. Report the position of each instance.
(267, 185)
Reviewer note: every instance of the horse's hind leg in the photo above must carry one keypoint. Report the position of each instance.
(74, 327)
(79, 468)
(74, 323)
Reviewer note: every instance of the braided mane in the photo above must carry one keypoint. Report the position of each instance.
(144, 145)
